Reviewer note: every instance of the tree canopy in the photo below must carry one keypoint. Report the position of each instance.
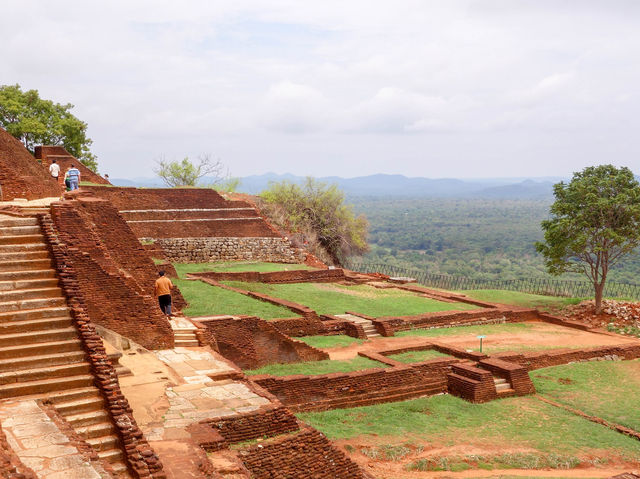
(317, 211)
(35, 121)
(595, 221)
(186, 173)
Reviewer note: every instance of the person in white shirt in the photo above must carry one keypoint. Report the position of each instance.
(54, 169)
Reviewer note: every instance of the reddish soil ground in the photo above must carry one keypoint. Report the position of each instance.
(541, 336)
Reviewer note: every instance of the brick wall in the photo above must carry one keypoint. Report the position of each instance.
(203, 228)
(514, 373)
(11, 467)
(471, 383)
(139, 456)
(202, 250)
(164, 198)
(539, 360)
(21, 176)
(294, 276)
(251, 343)
(265, 422)
(48, 153)
(330, 391)
(115, 274)
(307, 455)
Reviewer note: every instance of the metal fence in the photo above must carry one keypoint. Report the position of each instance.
(545, 286)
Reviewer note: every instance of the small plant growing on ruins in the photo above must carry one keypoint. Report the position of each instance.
(595, 222)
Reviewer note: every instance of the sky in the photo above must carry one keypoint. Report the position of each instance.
(450, 88)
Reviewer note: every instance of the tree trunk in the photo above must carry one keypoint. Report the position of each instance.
(599, 287)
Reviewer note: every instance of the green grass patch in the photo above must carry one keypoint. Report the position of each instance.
(312, 368)
(520, 299)
(205, 300)
(236, 266)
(338, 299)
(607, 389)
(518, 460)
(325, 342)
(418, 356)
(476, 330)
(447, 420)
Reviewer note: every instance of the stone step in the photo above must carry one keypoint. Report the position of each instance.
(38, 374)
(88, 418)
(25, 265)
(21, 255)
(28, 275)
(503, 386)
(21, 239)
(31, 304)
(42, 360)
(26, 284)
(14, 248)
(79, 406)
(74, 395)
(187, 344)
(104, 443)
(45, 386)
(15, 327)
(23, 294)
(35, 337)
(10, 222)
(499, 380)
(96, 430)
(53, 347)
(22, 230)
(374, 335)
(111, 455)
(121, 469)
(39, 313)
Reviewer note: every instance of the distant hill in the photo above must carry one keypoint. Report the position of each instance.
(395, 185)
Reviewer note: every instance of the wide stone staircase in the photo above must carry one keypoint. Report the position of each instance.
(41, 355)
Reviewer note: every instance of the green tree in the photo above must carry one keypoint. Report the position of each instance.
(318, 211)
(35, 121)
(186, 173)
(595, 221)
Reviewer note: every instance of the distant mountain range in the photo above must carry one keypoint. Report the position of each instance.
(399, 185)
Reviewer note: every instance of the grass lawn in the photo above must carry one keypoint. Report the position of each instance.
(607, 389)
(312, 368)
(418, 356)
(325, 342)
(206, 300)
(447, 420)
(520, 299)
(337, 299)
(485, 329)
(234, 266)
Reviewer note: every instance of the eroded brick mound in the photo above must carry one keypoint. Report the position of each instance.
(620, 313)
(65, 160)
(21, 176)
(251, 343)
(115, 274)
(307, 455)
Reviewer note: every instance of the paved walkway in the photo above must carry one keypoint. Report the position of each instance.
(38, 442)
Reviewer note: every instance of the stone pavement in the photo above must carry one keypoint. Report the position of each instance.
(40, 445)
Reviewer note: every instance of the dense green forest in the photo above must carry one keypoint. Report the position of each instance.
(478, 238)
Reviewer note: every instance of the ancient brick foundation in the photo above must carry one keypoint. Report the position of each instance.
(307, 455)
(278, 277)
(21, 176)
(116, 276)
(202, 250)
(251, 343)
(139, 456)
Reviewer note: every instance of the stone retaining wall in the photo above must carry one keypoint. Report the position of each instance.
(201, 250)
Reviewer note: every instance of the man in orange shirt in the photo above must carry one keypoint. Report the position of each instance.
(162, 290)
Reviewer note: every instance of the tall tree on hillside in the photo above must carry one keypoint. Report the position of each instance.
(595, 221)
(318, 212)
(35, 121)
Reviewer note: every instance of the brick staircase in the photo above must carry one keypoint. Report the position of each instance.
(41, 354)
(369, 328)
(503, 387)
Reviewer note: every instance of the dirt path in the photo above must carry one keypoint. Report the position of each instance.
(540, 336)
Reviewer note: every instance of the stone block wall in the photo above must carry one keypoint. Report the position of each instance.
(116, 276)
(200, 250)
(251, 343)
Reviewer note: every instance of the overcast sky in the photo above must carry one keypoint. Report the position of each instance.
(352, 87)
